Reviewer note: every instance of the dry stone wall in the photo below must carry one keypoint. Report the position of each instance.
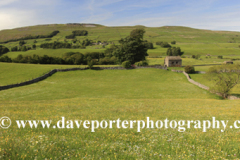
(196, 83)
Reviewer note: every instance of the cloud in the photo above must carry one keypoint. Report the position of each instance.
(7, 2)
(12, 18)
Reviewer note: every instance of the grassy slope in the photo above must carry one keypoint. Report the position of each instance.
(11, 73)
(191, 41)
(131, 84)
(113, 94)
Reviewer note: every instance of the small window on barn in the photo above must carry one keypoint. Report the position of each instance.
(172, 62)
(177, 62)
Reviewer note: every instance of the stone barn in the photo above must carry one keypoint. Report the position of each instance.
(228, 62)
(173, 61)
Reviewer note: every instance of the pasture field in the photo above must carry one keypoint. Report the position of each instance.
(12, 73)
(109, 95)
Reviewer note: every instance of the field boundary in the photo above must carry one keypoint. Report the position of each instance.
(205, 87)
(50, 73)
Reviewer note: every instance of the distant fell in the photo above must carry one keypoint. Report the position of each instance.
(105, 33)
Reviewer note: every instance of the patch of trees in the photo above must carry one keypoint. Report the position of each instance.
(174, 51)
(54, 33)
(20, 48)
(163, 44)
(56, 45)
(76, 58)
(3, 50)
(77, 33)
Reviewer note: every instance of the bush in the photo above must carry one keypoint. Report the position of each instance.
(173, 42)
(189, 69)
(142, 63)
(5, 59)
(149, 45)
(163, 44)
(108, 60)
(90, 64)
(3, 50)
(126, 64)
(219, 57)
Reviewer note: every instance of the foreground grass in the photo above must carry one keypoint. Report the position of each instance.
(119, 143)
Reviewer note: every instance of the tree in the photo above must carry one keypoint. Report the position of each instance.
(34, 46)
(173, 42)
(225, 78)
(22, 42)
(189, 69)
(137, 34)
(174, 51)
(3, 50)
(163, 44)
(131, 48)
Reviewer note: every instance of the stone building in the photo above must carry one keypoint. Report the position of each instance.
(173, 61)
(228, 62)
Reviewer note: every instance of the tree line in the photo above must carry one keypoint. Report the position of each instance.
(54, 33)
(72, 58)
(57, 45)
(77, 33)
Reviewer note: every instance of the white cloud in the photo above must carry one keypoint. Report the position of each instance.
(11, 18)
(7, 2)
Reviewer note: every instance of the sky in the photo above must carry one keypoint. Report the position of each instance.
(201, 14)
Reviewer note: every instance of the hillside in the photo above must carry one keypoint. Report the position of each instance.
(104, 33)
(192, 41)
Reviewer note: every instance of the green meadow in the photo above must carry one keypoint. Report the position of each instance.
(132, 94)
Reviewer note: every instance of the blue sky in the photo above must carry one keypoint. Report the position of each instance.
(202, 14)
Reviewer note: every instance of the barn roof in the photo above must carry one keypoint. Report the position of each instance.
(173, 58)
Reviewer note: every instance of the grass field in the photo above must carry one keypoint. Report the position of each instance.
(112, 94)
